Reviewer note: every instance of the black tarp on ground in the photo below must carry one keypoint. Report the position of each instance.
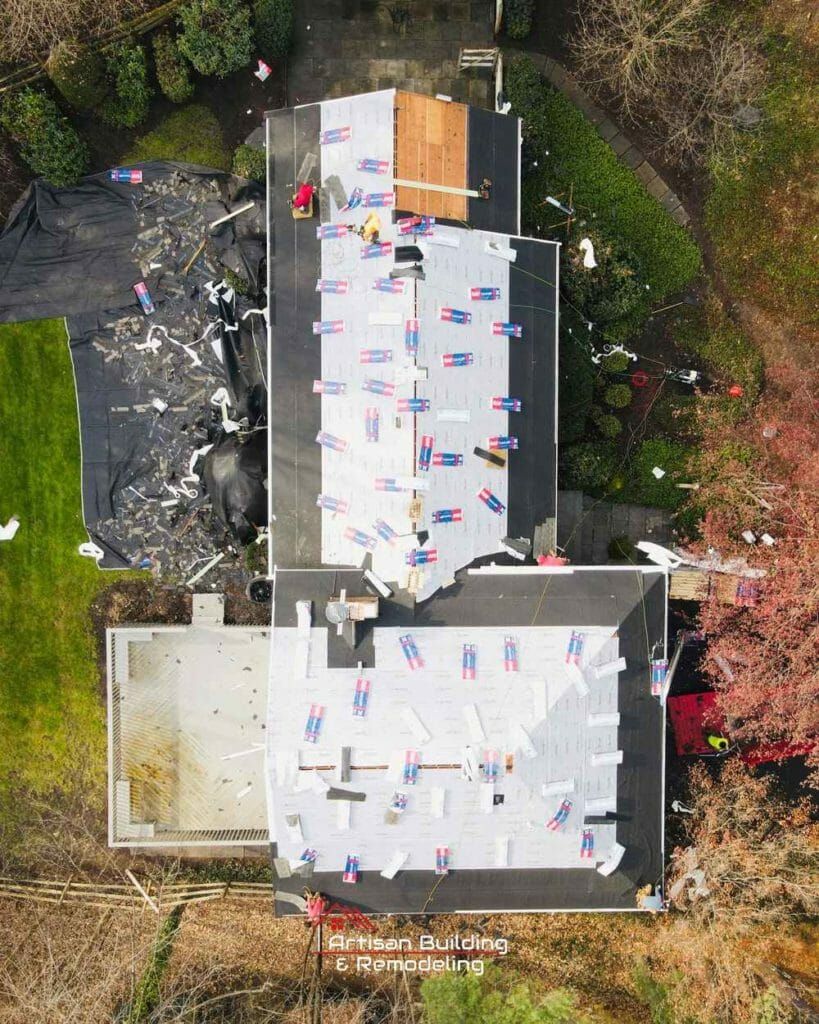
(70, 250)
(135, 457)
(635, 600)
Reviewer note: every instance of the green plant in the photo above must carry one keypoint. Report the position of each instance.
(588, 465)
(127, 69)
(610, 294)
(78, 74)
(653, 994)
(494, 999)
(576, 382)
(618, 396)
(191, 135)
(609, 426)
(216, 35)
(147, 992)
(242, 287)
(728, 355)
(571, 156)
(517, 17)
(615, 362)
(250, 162)
(172, 71)
(643, 488)
(48, 142)
(273, 26)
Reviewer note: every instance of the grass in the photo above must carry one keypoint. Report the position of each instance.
(49, 682)
(572, 159)
(763, 210)
(190, 135)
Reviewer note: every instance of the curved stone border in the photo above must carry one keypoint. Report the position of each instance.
(625, 150)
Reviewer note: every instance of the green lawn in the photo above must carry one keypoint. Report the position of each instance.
(50, 704)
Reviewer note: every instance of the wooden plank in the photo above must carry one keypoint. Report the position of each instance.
(431, 147)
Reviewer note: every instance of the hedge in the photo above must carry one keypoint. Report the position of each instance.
(571, 157)
(587, 466)
(250, 162)
(78, 74)
(127, 68)
(643, 488)
(273, 26)
(191, 135)
(216, 36)
(48, 142)
(517, 18)
(172, 70)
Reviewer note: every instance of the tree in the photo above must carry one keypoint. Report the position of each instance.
(48, 143)
(78, 74)
(216, 35)
(762, 475)
(757, 852)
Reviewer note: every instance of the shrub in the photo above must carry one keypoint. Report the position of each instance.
(127, 69)
(250, 162)
(216, 35)
(589, 465)
(242, 287)
(643, 488)
(517, 16)
(78, 74)
(610, 294)
(172, 71)
(618, 396)
(273, 26)
(576, 383)
(609, 426)
(495, 999)
(615, 362)
(191, 135)
(48, 142)
(664, 253)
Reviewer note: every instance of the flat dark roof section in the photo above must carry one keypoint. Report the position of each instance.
(633, 599)
(533, 378)
(295, 260)
(493, 152)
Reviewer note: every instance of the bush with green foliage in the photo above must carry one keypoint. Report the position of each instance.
(242, 287)
(611, 294)
(643, 488)
(190, 135)
(127, 68)
(172, 70)
(78, 74)
(618, 396)
(250, 162)
(588, 465)
(711, 335)
(572, 156)
(495, 999)
(576, 382)
(273, 26)
(616, 362)
(609, 426)
(48, 142)
(216, 35)
(517, 17)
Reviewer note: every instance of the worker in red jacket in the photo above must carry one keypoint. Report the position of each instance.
(303, 198)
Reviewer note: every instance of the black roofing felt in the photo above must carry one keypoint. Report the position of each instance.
(296, 354)
(493, 152)
(633, 599)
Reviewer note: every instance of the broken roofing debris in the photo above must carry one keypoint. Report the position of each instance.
(177, 474)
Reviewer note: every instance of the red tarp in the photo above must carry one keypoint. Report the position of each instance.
(692, 715)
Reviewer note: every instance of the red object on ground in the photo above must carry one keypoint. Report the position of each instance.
(693, 715)
(639, 378)
(551, 560)
(762, 753)
(303, 196)
(735, 391)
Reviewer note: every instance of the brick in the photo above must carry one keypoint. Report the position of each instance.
(607, 129)
(658, 188)
(619, 144)
(645, 172)
(670, 201)
(632, 157)
(558, 75)
(595, 114)
(680, 215)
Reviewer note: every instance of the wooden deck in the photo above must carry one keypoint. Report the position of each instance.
(431, 147)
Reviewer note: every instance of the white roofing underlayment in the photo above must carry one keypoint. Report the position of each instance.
(544, 698)
(451, 270)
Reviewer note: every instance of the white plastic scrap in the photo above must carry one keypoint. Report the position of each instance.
(587, 248)
(8, 531)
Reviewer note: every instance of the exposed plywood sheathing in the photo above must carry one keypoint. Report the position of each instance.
(431, 147)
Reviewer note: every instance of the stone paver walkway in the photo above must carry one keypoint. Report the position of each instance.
(585, 526)
(345, 47)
